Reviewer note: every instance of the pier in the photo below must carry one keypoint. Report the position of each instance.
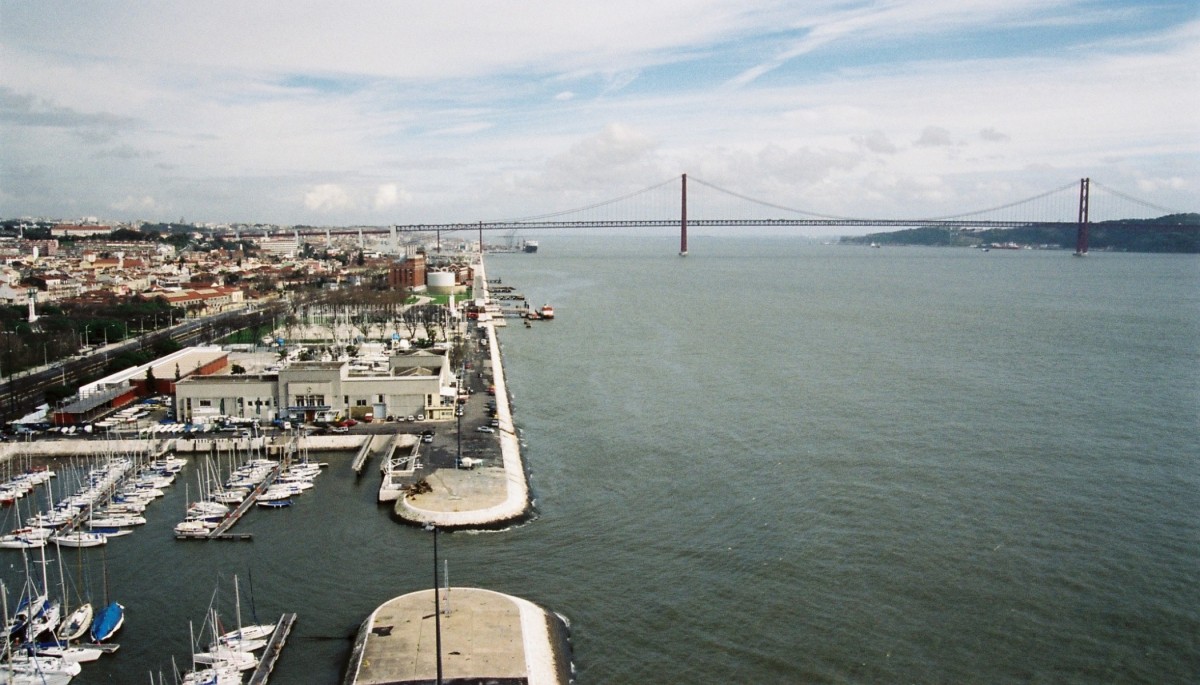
(221, 532)
(487, 637)
(374, 445)
(273, 650)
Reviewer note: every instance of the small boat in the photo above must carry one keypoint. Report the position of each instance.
(42, 670)
(108, 621)
(79, 538)
(192, 528)
(66, 652)
(21, 542)
(76, 624)
(45, 621)
(226, 657)
(275, 503)
(113, 532)
(28, 609)
(219, 675)
(117, 521)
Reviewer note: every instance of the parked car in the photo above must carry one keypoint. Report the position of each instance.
(486, 429)
(427, 439)
(339, 429)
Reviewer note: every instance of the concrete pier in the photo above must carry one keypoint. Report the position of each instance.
(486, 637)
(274, 648)
(478, 498)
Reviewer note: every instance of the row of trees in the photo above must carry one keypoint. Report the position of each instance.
(64, 329)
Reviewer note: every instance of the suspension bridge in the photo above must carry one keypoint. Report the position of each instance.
(1075, 205)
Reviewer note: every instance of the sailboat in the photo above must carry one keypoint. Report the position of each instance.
(245, 638)
(52, 615)
(109, 619)
(79, 538)
(211, 669)
(76, 623)
(30, 669)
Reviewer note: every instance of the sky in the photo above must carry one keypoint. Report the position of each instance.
(324, 113)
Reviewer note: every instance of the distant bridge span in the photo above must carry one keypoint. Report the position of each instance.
(553, 221)
(671, 223)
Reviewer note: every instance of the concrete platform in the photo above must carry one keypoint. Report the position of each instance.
(483, 497)
(486, 637)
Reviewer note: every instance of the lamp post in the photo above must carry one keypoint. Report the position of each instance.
(437, 605)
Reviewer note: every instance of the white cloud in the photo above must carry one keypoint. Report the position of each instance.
(390, 195)
(327, 197)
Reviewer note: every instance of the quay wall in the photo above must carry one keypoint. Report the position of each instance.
(87, 447)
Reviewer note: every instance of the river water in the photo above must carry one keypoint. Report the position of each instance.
(779, 462)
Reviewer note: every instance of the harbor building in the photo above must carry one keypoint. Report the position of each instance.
(414, 383)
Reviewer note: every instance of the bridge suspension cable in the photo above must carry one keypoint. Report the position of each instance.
(1136, 201)
(1008, 205)
(833, 217)
(596, 205)
(770, 204)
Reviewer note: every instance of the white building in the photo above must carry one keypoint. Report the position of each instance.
(418, 383)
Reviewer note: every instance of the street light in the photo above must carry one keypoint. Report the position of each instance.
(437, 604)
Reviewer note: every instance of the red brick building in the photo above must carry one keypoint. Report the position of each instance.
(408, 273)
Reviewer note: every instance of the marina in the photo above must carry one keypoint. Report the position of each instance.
(424, 492)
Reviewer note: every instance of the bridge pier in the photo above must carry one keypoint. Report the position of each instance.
(683, 220)
(1081, 233)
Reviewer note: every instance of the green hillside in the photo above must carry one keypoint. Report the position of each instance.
(1172, 233)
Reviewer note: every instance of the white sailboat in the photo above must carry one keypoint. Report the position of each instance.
(31, 669)
(76, 623)
(79, 538)
(245, 638)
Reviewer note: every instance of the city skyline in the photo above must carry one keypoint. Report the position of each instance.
(418, 112)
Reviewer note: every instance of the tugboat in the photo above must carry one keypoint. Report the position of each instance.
(530, 246)
(547, 312)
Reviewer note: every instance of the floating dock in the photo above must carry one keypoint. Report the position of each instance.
(274, 648)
